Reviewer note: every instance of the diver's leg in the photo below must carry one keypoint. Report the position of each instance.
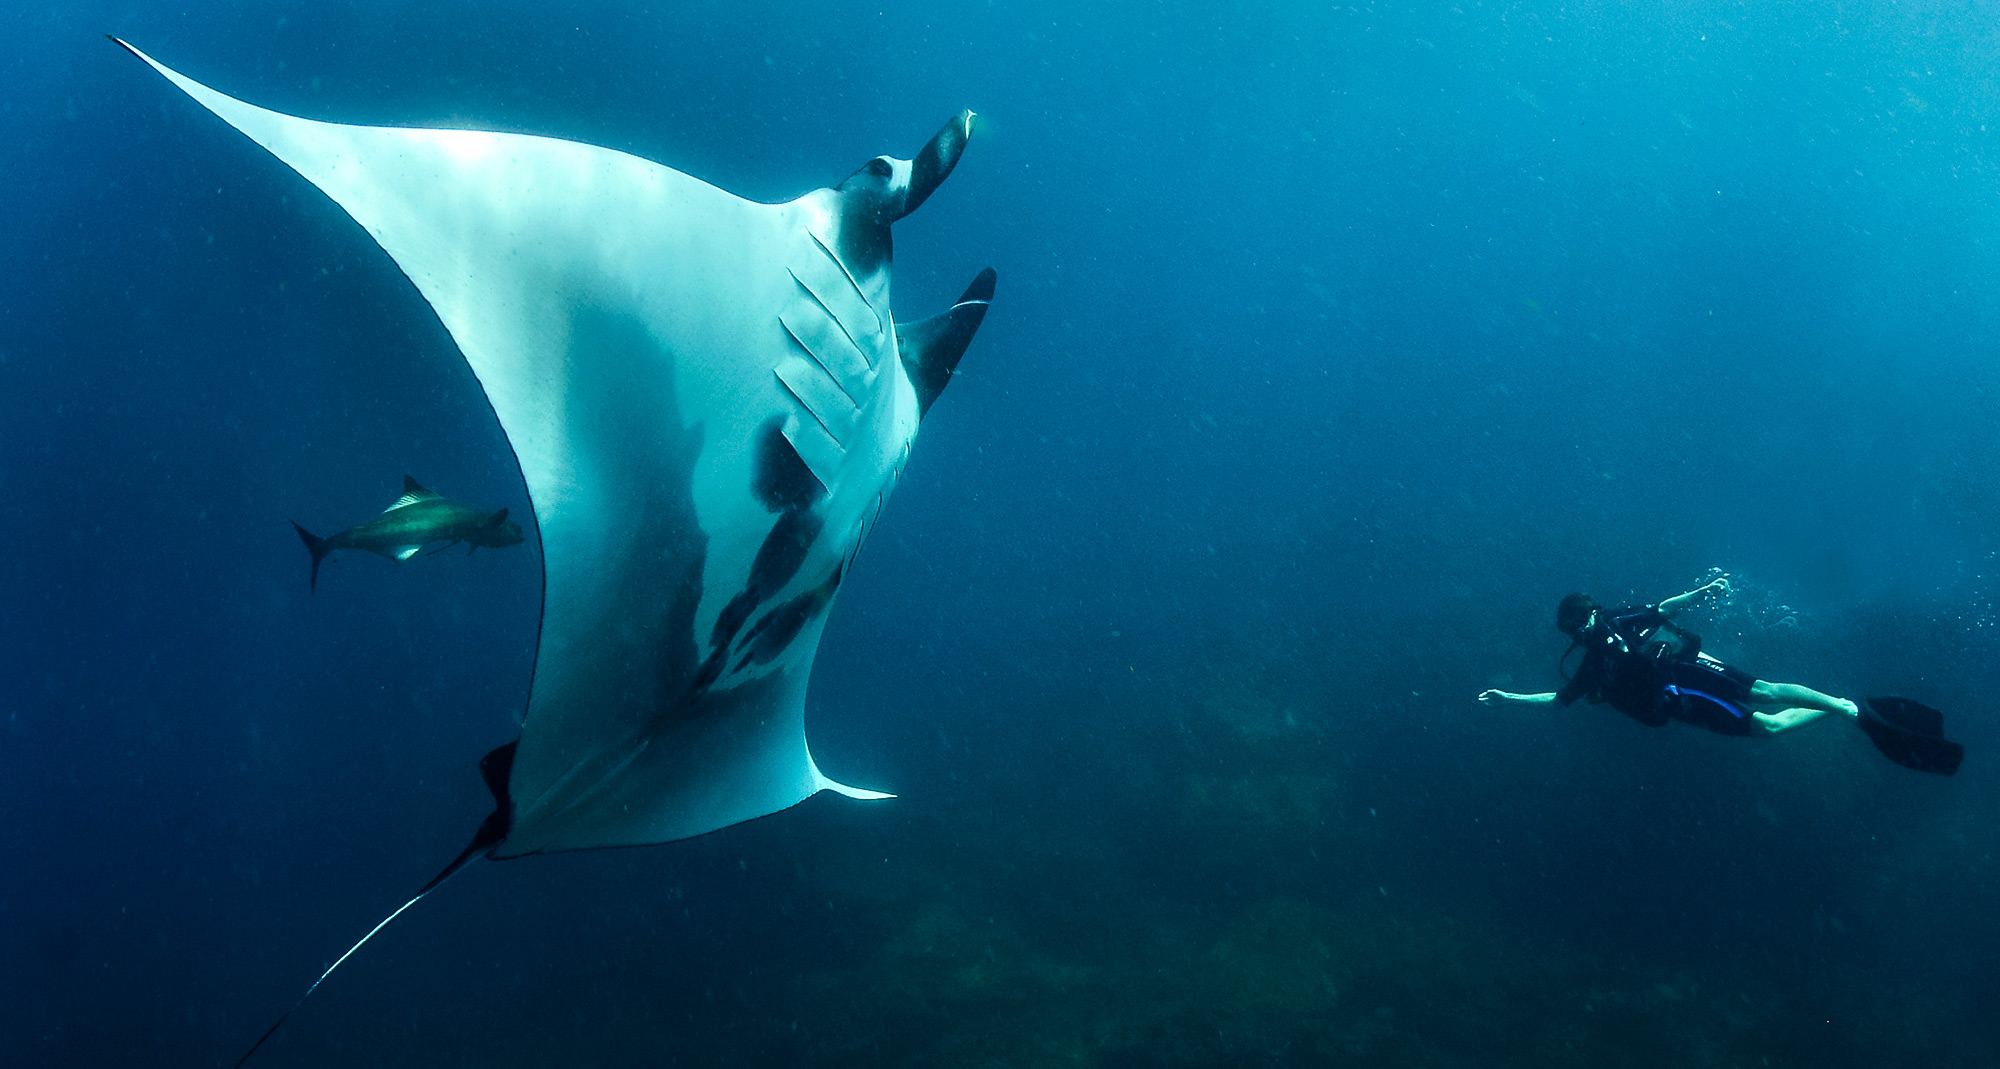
(1786, 719)
(1797, 705)
(1764, 692)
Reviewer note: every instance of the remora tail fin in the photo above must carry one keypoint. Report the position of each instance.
(316, 546)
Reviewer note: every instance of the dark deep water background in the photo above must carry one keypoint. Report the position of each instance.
(1333, 345)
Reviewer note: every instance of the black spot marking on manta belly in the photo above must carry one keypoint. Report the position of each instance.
(710, 671)
(784, 549)
(783, 483)
(778, 560)
(775, 632)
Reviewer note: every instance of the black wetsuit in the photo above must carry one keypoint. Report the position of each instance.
(1653, 672)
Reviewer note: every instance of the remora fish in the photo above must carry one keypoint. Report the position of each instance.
(419, 518)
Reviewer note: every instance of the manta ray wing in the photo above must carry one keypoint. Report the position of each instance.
(709, 405)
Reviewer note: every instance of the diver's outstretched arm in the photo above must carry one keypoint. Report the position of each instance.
(1503, 697)
(1678, 602)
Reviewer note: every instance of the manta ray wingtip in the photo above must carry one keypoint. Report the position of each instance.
(826, 783)
(857, 792)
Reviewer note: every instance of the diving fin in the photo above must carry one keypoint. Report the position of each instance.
(1910, 734)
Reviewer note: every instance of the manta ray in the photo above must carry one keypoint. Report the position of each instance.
(709, 400)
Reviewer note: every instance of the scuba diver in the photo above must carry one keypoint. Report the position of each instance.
(1639, 663)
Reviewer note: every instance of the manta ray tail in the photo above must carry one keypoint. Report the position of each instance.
(495, 767)
(316, 546)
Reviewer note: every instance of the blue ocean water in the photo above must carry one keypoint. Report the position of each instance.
(1333, 344)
